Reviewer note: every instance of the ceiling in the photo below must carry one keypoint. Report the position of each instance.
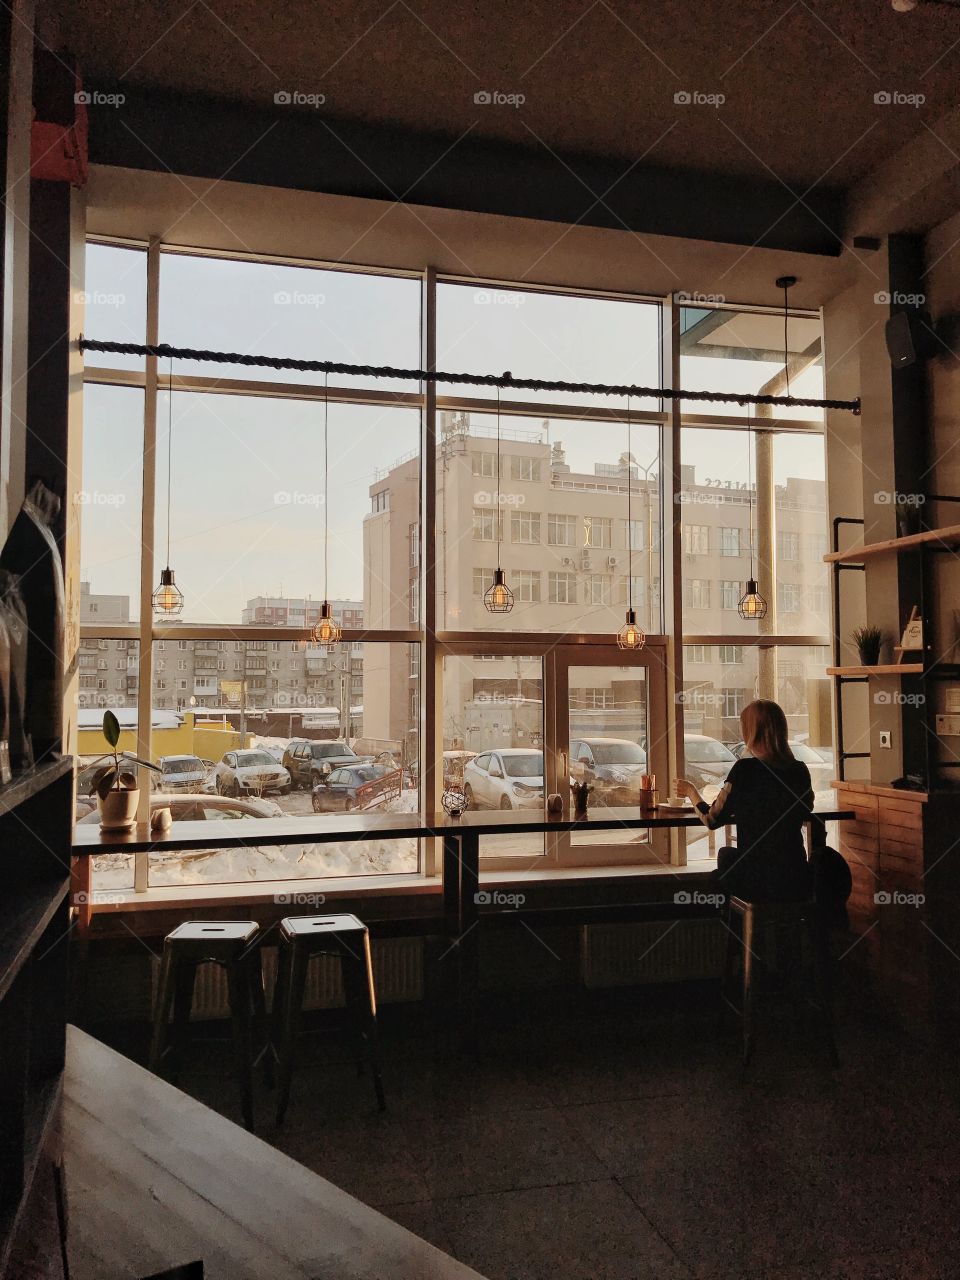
(597, 77)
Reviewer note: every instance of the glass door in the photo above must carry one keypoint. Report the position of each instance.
(610, 730)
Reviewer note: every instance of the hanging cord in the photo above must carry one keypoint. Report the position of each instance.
(786, 349)
(164, 350)
(326, 486)
(169, 452)
(497, 513)
(750, 494)
(629, 509)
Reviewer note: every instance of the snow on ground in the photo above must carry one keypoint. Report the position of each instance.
(316, 859)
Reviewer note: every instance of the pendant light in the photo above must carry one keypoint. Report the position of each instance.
(631, 635)
(752, 606)
(498, 598)
(327, 629)
(167, 599)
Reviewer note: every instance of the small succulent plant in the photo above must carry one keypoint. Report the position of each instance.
(113, 776)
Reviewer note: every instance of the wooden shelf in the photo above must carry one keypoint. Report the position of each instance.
(948, 536)
(24, 914)
(31, 782)
(884, 669)
(42, 1108)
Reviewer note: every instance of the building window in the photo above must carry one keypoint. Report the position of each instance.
(591, 699)
(788, 545)
(817, 597)
(485, 521)
(561, 531)
(380, 501)
(482, 578)
(730, 541)
(483, 464)
(696, 539)
(413, 539)
(732, 702)
(639, 591)
(599, 531)
(696, 593)
(789, 597)
(562, 587)
(527, 586)
(524, 467)
(731, 655)
(599, 588)
(730, 593)
(698, 655)
(525, 526)
(635, 535)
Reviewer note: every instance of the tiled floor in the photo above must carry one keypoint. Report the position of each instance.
(615, 1137)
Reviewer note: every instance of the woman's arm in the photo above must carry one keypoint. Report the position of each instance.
(722, 811)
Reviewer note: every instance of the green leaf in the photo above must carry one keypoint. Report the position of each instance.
(111, 728)
(105, 785)
(128, 755)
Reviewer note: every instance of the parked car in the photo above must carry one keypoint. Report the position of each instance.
(358, 786)
(181, 773)
(612, 766)
(307, 761)
(250, 772)
(708, 762)
(511, 778)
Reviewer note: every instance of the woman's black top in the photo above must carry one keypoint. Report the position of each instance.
(769, 804)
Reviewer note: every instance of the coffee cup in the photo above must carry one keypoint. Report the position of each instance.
(676, 802)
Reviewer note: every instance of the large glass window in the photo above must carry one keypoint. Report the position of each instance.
(573, 513)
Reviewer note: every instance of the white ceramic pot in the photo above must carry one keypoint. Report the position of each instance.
(118, 812)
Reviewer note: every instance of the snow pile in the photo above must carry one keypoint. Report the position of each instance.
(310, 860)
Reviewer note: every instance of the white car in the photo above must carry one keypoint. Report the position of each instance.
(250, 772)
(201, 808)
(181, 773)
(511, 778)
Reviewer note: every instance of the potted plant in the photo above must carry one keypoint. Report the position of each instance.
(117, 792)
(869, 641)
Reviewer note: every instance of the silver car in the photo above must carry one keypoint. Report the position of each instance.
(511, 778)
(250, 772)
(181, 773)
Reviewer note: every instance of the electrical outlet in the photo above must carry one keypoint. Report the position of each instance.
(886, 738)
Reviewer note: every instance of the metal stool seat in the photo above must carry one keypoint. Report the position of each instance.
(232, 944)
(302, 938)
(756, 917)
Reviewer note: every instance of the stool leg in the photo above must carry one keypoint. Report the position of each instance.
(361, 997)
(184, 977)
(748, 983)
(239, 983)
(60, 1194)
(161, 1013)
(728, 963)
(260, 1019)
(295, 973)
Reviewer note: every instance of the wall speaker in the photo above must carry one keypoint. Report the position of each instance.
(909, 338)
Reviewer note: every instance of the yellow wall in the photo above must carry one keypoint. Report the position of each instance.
(189, 739)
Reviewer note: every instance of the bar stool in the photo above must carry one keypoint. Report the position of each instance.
(302, 938)
(796, 918)
(232, 944)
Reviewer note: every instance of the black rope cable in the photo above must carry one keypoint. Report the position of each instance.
(162, 350)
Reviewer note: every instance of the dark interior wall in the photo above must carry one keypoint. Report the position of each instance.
(209, 138)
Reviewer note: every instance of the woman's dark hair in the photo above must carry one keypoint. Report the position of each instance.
(764, 729)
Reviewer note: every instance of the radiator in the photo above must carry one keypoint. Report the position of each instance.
(397, 971)
(616, 955)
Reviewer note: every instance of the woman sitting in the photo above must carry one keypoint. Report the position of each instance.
(768, 794)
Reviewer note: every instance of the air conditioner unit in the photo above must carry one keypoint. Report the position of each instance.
(612, 562)
(569, 560)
